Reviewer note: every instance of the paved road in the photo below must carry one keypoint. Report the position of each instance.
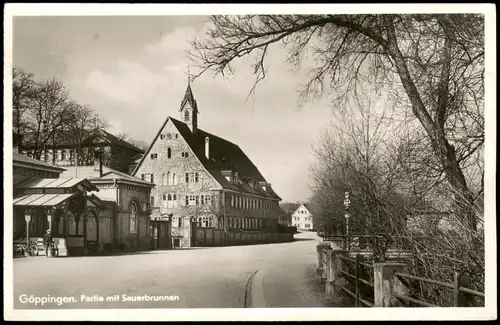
(271, 275)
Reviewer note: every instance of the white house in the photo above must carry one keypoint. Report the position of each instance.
(302, 218)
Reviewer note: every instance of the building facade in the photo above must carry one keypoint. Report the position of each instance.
(128, 202)
(116, 153)
(302, 218)
(203, 179)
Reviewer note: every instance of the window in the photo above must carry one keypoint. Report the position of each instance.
(168, 179)
(196, 178)
(164, 197)
(174, 198)
(193, 199)
(169, 153)
(186, 115)
(59, 155)
(197, 199)
(208, 199)
(71, 154)
(179, 222)
(185, 154)
(307, 225)
(202, 199)
(133, 218)
(162, 136)
(152, 178)
(232, 201)
(193, 177)
(176, 135)
(152, 201)
(187, 200)
(169, 136)
(154, 155)
(187, 177)
(142, 176)
(174, 179)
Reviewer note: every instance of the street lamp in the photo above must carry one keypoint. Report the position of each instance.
(347, 202)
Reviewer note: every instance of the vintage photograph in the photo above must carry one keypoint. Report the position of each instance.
(171, 160)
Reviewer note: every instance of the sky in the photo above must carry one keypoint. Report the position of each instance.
(133, 72)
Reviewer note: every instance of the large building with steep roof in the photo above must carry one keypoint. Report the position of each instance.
(204, 177)
(117, 153)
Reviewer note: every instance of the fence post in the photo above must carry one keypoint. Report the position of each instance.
(334, 279)
(319, 256)
(386, 284)
(326, 262)
(356, 280)
(461, 299)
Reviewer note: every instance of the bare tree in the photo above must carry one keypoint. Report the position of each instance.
(49, 105)
(436, 60)
(82, 125)
(22, 87)
(141, 144)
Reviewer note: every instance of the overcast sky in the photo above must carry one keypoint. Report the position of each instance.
(133, 72)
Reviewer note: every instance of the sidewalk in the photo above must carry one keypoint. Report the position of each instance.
(293, 284)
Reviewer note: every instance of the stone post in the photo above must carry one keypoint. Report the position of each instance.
(319, 255)
(333, 276)
(386, 285)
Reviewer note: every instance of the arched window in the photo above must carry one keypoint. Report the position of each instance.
(133, 217)
(174, 179)
(175, 197)
(169, 197)
(162, 179)
(186, 115)
(169, 153)
(168, 178)
(164, 197)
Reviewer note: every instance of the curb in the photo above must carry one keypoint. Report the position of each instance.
(258, 300)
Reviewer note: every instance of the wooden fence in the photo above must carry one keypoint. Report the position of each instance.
(381, 284)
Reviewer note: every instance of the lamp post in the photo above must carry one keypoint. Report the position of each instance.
(347, 202)
(27, 218)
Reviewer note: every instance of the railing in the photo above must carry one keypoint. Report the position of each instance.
(357, 279)
(350, 242)
(460, 300)
(364, 281)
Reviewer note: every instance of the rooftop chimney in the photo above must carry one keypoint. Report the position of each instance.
(207, 147)
(98, 162)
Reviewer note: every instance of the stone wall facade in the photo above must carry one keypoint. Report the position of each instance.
(180, 176)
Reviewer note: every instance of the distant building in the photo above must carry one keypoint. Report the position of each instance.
(285, 219)
(302, 218)
(117, 153)
(203, 179)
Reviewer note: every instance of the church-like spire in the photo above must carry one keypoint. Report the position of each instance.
(189, 108)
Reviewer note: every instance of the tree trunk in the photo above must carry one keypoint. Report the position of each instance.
(444, 151)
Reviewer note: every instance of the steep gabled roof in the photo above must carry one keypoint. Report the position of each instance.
(305, 205)
(122, 143)
(224, 155)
